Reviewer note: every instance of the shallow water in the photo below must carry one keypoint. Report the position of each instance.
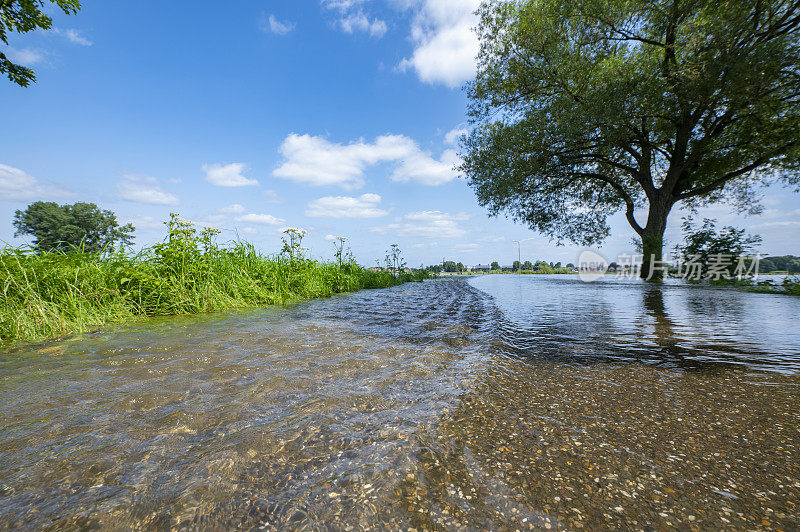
(516, 401)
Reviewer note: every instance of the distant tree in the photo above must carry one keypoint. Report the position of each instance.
(558, 265)
(60, 227)
(766, 266)
(570, 265)
(22, 16)
(542, 266)
(495, 265)
(527, 265)
(450, 266)
(460, 267)
(516, 266)
(583, 108)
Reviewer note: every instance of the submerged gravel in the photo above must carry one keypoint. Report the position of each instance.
(423, 407)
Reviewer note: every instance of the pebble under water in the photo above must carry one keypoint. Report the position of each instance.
(496, 402)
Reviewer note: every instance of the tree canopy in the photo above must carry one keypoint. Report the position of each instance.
(584, 108)
(22, 16)
(61, 227)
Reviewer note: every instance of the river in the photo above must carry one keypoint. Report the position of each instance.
(492, 402)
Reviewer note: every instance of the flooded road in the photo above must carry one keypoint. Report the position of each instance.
(496, 402)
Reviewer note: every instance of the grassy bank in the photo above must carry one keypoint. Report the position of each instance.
(50, 295)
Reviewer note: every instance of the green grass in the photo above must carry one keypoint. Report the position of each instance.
(52, 294)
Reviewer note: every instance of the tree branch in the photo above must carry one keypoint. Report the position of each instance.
(719, 182)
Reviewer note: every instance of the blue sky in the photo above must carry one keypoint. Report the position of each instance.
(336, 116)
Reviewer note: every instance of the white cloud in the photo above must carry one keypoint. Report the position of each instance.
(427, 224)
(228, 175)
(342, 4)
(355, 22)
(260, 219)
(273, 25)
(317, 161)
(445, 46)
(452, 137)
(16, 184)
(73, 36)
(232, 209)
(352, 18)
(25, 57)
(270, 196)
(420, 167)
(364, 206)
(143, 189)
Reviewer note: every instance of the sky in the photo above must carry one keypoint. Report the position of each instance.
(340, 117)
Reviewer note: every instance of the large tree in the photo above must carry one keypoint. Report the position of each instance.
(22, 16)
(583, 108)
(65, 227)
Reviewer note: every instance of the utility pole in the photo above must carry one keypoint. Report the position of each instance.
(519, 252)
(519, 256)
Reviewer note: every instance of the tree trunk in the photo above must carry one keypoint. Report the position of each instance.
(653, 241)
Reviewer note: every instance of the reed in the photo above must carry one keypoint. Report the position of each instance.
(52, 294)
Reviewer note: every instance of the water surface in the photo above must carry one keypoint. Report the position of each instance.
(516, 401)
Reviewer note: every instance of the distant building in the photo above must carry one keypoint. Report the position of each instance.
(480, 268)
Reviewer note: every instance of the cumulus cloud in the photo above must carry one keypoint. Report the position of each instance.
(143, 189)
(353, 19)
(356, 22)
(228, 175)
(73, 36)
(364, 206)
(317, 161)
(420, 167)
(452, 137)
(445, 47)
(15, 184)
(260, 219)
(273, 25)
(427, 224)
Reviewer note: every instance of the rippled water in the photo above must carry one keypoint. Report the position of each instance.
(516, 401)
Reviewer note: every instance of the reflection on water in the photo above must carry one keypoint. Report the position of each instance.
(626, 320)
(517, 401)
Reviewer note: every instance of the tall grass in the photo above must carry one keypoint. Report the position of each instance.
(52, 294)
